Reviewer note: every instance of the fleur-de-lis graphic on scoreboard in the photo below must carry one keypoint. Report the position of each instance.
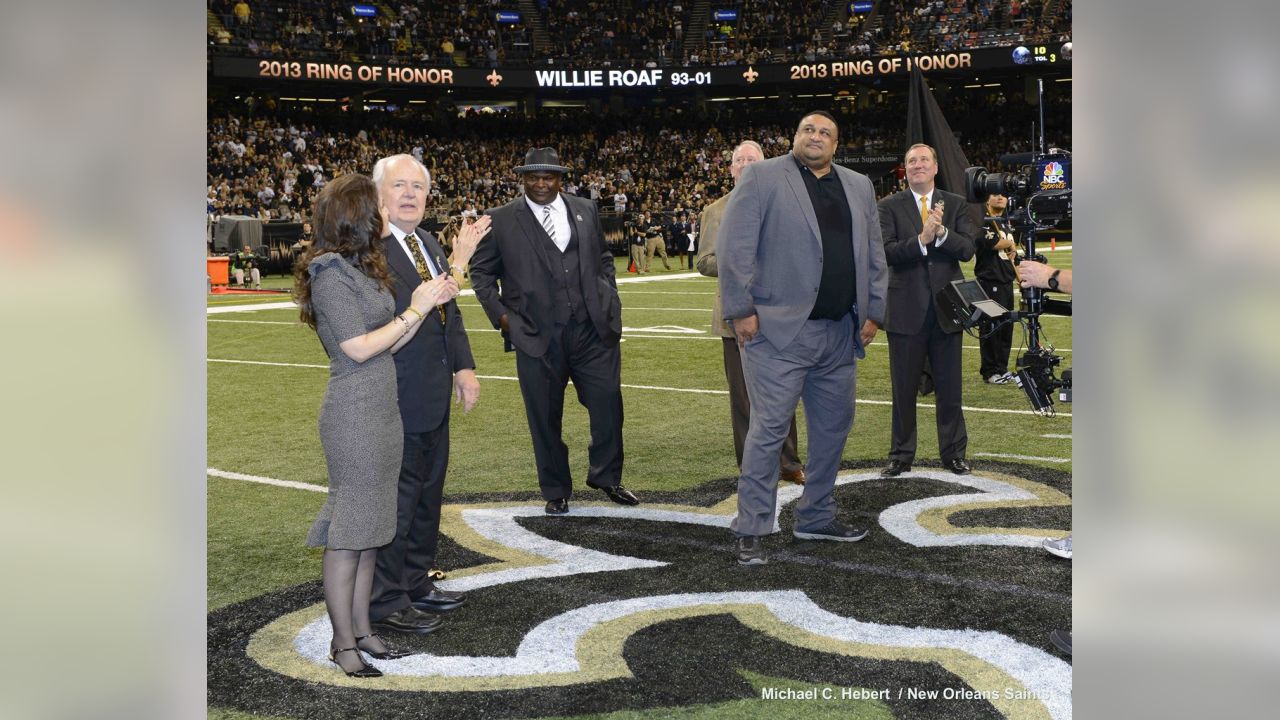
(494, 78)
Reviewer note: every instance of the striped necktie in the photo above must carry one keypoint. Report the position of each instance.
(550, 226)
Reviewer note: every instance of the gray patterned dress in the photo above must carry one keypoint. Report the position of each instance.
(360, 426)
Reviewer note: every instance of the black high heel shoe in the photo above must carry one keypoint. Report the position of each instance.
(366, 671)
(390, 654)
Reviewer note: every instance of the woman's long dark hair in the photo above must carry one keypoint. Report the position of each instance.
(346, 221)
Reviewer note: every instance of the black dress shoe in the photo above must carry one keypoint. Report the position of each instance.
(559, 506)
(408, 620)
(957, 466)
(439, 601)
(895, 468)
(618, 494)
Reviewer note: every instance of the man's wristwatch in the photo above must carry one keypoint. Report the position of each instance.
(1053, 281)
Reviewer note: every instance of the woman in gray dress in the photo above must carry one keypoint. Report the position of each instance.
(342, 287)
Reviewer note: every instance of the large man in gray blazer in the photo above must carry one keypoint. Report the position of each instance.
(545, 277)
(803, 280)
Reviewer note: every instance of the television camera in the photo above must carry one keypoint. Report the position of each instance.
(1039, 199)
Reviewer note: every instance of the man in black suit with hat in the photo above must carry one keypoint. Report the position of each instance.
(545, 277)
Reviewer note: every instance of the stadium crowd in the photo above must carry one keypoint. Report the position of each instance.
(640, 32)
(271, 163)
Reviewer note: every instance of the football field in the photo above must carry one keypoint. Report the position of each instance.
(629, 613)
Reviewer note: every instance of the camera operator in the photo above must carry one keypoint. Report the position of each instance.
(1038, 275)
(993, 267)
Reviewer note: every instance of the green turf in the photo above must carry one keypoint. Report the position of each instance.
(262, 421)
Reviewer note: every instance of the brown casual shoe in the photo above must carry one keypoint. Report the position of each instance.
(795, 476)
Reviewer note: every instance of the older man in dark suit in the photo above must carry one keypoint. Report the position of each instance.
(545, 277)
(927, 233)
(435, 365)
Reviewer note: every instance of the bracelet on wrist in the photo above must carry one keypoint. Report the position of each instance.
(414, 310)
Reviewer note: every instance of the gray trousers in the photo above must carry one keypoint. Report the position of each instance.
(820, 367)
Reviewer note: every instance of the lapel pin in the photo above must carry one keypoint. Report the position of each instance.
(579, 217)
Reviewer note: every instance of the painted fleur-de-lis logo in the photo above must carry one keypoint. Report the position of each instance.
(750, 74)
(494, 78)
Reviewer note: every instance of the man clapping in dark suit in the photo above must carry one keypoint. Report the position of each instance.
(545, 277)
(927, 234)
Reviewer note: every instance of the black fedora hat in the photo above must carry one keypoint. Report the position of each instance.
(542, 159)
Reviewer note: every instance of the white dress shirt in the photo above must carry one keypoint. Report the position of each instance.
(559, 218)
(924, 250)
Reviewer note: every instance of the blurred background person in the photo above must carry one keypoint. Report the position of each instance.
(994, 255)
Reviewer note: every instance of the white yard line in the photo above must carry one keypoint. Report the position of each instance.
(694, 391)
(266, 480)
(1011, 456)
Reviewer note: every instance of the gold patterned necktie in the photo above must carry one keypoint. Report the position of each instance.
(420, 261)
(924, 209)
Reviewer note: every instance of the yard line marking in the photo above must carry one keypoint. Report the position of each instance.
(257, 322)
(465, 293)
(694, 391)
(287, 304)
(662, 292)
(226, 475)
(637, 336)
(1011, 456)
(1056, 437)
(264, 362)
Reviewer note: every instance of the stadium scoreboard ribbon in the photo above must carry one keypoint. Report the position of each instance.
(587, 78)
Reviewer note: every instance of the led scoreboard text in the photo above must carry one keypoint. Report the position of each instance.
(722, 76)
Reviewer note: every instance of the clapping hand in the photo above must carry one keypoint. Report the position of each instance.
(469, 236)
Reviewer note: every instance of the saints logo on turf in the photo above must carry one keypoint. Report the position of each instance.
(613, 608)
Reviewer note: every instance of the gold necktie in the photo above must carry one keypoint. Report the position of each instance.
(421, 262)
(924, 209)
(418, 259)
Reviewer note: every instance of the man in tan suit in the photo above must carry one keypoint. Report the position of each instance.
(739, 404)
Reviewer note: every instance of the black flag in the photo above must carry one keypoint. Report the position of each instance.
(926, 124)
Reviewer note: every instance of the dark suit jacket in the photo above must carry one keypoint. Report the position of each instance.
(425, 366)
(914, 278)
(512, 272)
